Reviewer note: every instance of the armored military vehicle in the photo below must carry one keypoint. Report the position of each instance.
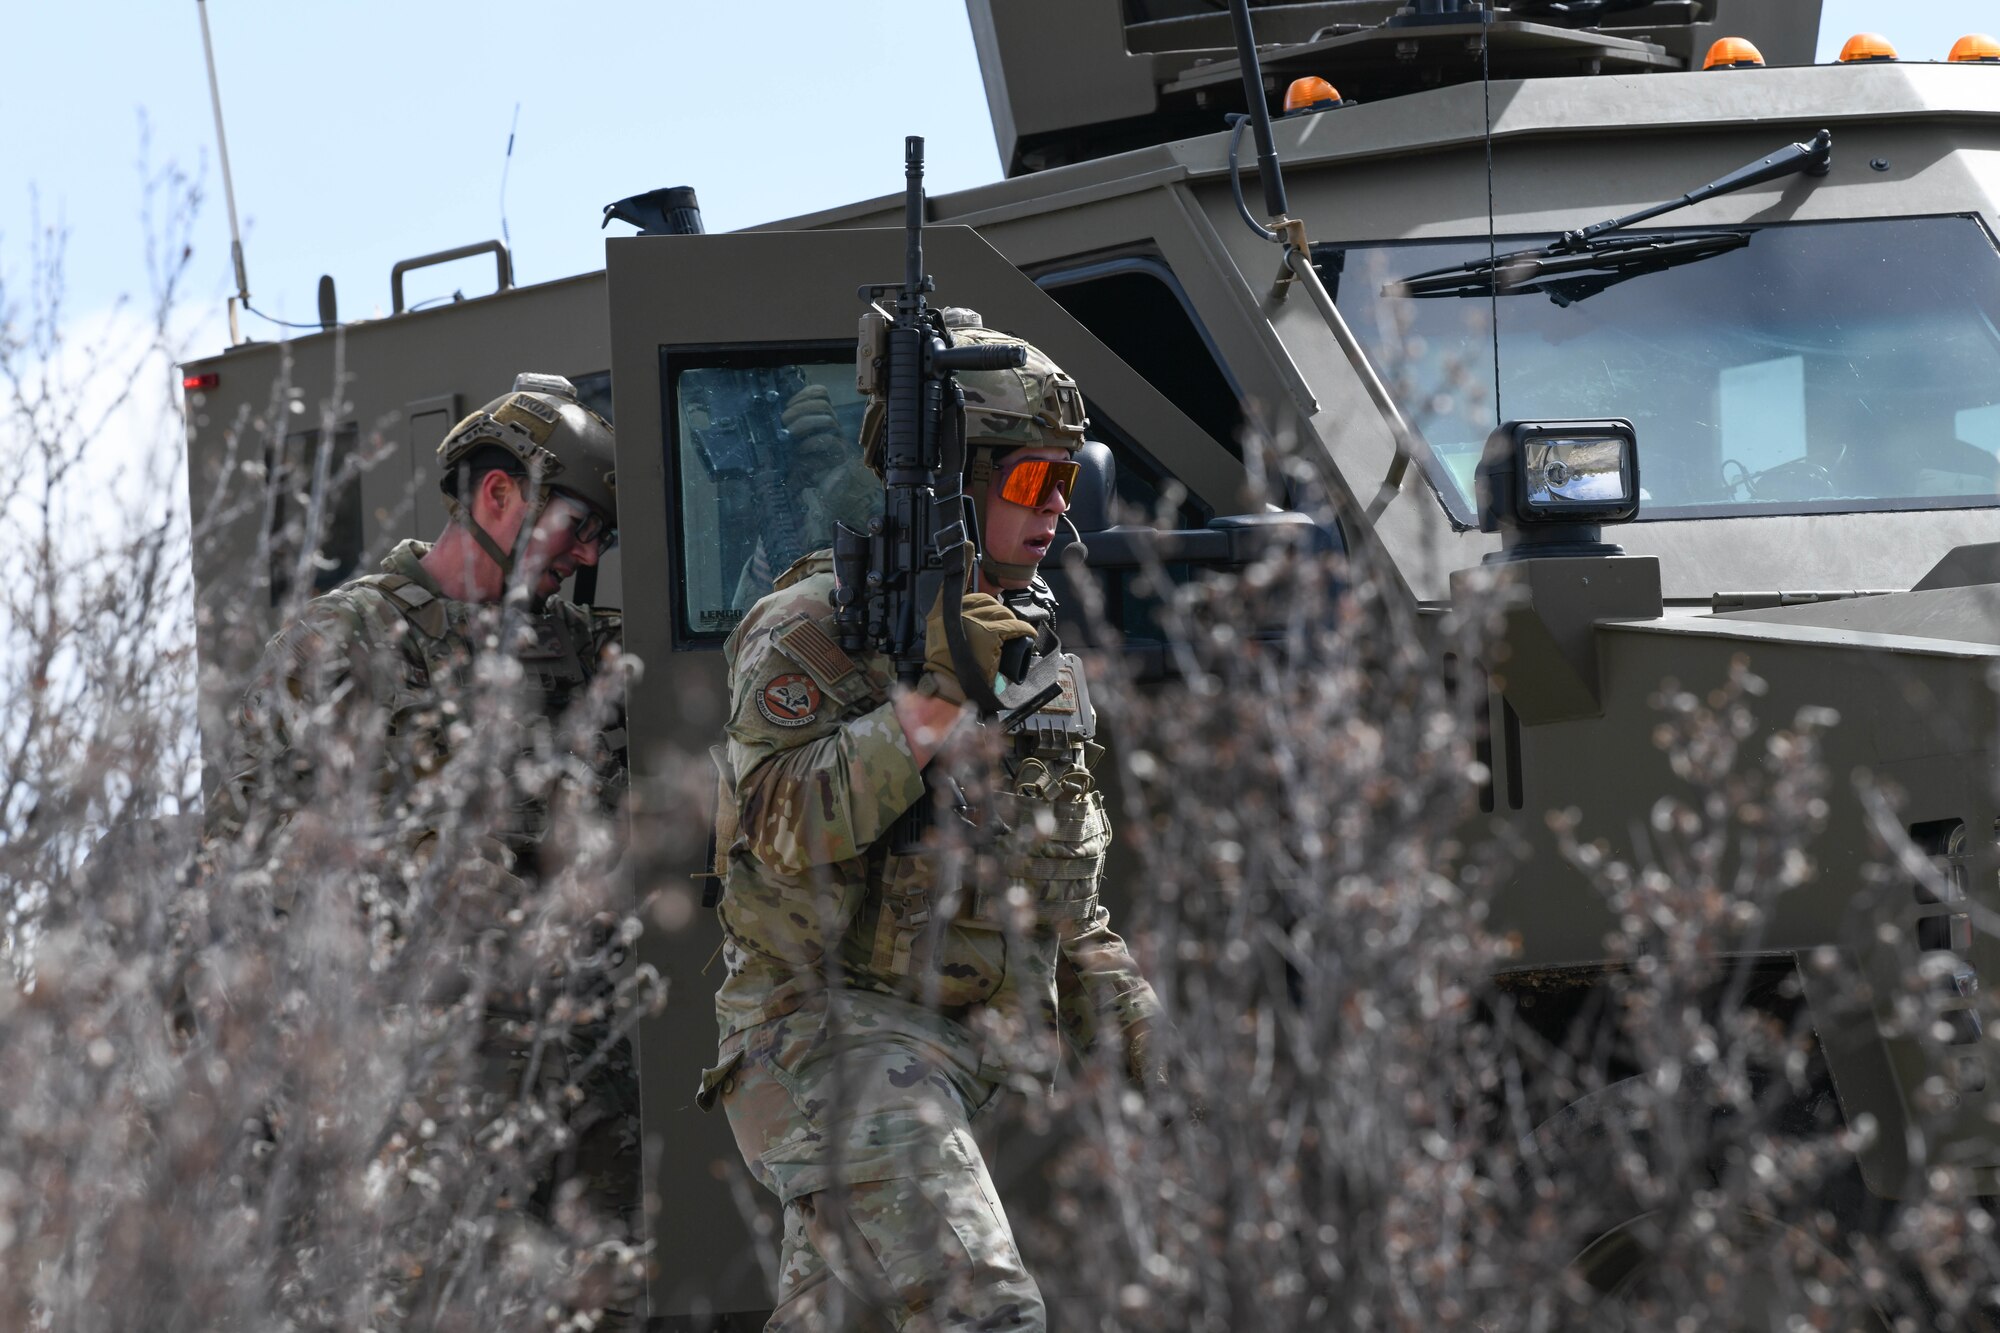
(1782, 401)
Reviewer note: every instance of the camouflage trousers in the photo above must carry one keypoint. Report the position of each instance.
(891, 1219)
(592, 1083)
(589, 1191)
(559, 1145)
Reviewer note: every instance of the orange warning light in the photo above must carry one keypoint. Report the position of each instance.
(1866, 46)
(1976, 48)
(1734, 53)
(1309, 92)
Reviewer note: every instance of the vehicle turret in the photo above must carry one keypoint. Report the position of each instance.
(1069, 82)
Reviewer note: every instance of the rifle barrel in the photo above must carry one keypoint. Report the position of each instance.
(913, 219)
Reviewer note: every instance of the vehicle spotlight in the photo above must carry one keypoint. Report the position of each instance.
(1548, 486)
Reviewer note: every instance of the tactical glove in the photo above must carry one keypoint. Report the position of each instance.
(809, 414)
(1157, 1075)
(818, 446)
(989, 628)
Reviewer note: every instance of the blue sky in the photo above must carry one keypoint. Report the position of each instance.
(363, 131)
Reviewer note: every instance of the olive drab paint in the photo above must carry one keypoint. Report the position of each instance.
(1115, 246)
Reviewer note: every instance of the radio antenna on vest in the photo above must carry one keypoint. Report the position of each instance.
(240, 301)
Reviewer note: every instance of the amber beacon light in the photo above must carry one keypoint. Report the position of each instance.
(1734, 53)
(1976, 48)
(1310, 94)
(1864, 47)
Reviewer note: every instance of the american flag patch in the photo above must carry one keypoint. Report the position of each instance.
(808, 644)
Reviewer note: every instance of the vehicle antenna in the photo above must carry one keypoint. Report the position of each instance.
(1492, 244)
(242, 298)
(1260, 110)
(1290, 233)
(506, 165)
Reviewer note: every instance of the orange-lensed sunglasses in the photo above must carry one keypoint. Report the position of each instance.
(1031, 480)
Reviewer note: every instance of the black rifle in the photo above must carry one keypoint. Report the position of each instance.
(766, 391)
(890, 576)
(744, 445)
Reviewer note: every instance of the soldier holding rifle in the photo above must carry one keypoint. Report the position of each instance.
(900, 952)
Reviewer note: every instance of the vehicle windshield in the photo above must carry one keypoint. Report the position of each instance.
(1822, 367)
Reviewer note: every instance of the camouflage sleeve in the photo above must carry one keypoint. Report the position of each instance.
(816, 782)
(312, 678)
(1098, 981)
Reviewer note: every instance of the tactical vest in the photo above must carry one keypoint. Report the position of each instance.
(425, 613)
(1040, 843)
(921, 926)
(559, 654)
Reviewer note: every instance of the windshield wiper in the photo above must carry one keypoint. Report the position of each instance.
(1598, 262)
(1570, 276)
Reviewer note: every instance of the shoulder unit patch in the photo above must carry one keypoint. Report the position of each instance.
(791, 700)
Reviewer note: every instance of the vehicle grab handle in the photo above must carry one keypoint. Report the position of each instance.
(498, 249)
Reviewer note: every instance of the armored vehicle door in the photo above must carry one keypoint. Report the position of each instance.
(711, 337)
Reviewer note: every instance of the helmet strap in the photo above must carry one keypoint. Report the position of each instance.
(996, 569)
(536, 497)
(463, 517)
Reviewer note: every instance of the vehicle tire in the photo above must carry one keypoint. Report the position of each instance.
(1654, 1228)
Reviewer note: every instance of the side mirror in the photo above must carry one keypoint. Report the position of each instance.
(1231, 540)
(1548, 486)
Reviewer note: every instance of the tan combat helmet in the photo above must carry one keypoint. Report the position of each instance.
(1031, 406)
(561, 445)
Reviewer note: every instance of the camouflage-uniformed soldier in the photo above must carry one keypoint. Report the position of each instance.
(378, 672)
(874, 1001)
(530, 477)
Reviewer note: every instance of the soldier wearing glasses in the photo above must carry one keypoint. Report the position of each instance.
(876, 1001)
(389, 672)
(530, 483)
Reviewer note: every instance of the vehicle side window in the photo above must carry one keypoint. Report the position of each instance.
(297, 474)
(763, 446)
(1134, 306)
(1139, 483)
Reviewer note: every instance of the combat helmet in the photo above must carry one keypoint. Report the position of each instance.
(1032, 406)
(1035, 405)
(561, 445)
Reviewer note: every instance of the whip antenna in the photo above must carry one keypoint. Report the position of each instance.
(506, 166)
(1268, 173)
(240, 301)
